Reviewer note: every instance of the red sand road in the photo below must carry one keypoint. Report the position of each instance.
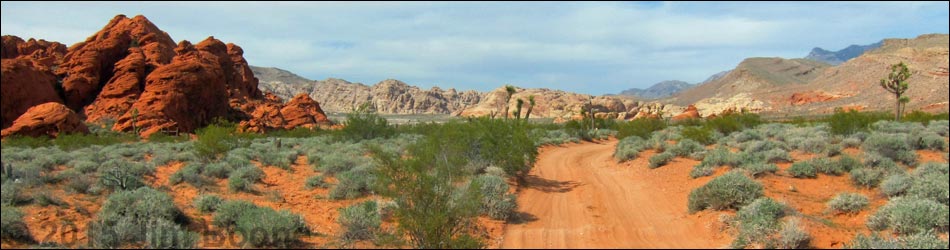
(577, 196)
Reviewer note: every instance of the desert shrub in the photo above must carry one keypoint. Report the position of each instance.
(749, 135)
(926, 240)
(777, 155)
(207, 203)
(941, 127)
(12, 194)
(850, 122)
(164, 234)
(553, 137)
(12, 226)
(893, 146)
(802, 170)
(792, 236)
(122, 175)
(759, 168)
(496, 171)
(278, 157)
(353, 184)
(896, 185)
(661, 159)
(933, 186)
(698, 134)
(833, 150)
(81, 183)
(757, 221)
(339, 162)
(701, 170)
(496, 202)
(848, 203)
(685, 148)
(814, 145)
(876, 161)
(728, 123)
(129, 217)
(630, 147)
(907, 215)
(719, 156)
(219, 170)
(851, 142)
(215, 139)
(362, 124)
(843, 164)
(866, 177)
(76, 141)
(729, 191)
(190, 174)
(45, 198)
(928, 140)
(317, 181)
(243, 179)
(260, 226)
(932, 168)
(642, 127)
(360, 221)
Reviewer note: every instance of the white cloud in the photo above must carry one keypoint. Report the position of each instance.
(590, 47)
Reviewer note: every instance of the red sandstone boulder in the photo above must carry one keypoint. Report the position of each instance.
(122, 90)
(302, 111)
(49, 118)
(690, 113)
(44, 54)
(23, 86)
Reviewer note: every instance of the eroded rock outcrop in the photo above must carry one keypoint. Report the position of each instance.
(690, 113)
(301, 111)
(90, 64)
(44, 54)
(24, 86)
(49, 118)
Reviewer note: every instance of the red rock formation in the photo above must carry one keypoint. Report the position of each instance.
(23, 86)
(184, 95)
(810, 97)
(122, 90)
(301, 111)
(690, 113)
(243, 84)
(45, 54)
(89, 65)
(50, 119)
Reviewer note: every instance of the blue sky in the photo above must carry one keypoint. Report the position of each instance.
(585, 47)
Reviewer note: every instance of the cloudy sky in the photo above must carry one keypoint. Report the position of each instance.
(585, 47)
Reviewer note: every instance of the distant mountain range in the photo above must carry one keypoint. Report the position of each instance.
(843, 55)
(658, 90)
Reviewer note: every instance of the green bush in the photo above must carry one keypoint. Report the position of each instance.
(12, 226)
(729, 191)
(777, 155)
(729, 123)
(934, 186)
(360, 221)
(190, 174)
(842, 165)
(699, 134)
(363, 124)
(848, 203)
(802, 170)
(642, 127)
(243, 179)
(317, 181)
(339, 162)
(164, 234)
(658, 160)
(701, 170)
(757, 221)
(846, 123)
(122, 175)
(207, 203)
(11, 194)
(496, 202)
(916, 241)
(214, 140)
(908, 216)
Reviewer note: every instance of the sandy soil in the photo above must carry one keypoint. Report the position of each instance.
(577, 196)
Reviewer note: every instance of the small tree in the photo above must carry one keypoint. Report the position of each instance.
(530, 107)
(511, 91)
(896, 83)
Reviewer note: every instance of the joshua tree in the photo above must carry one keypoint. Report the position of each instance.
(518, 108)
(530, 107)
(896, 83)
(511, 91)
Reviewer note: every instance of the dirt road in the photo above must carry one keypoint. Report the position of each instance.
(578, 197)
